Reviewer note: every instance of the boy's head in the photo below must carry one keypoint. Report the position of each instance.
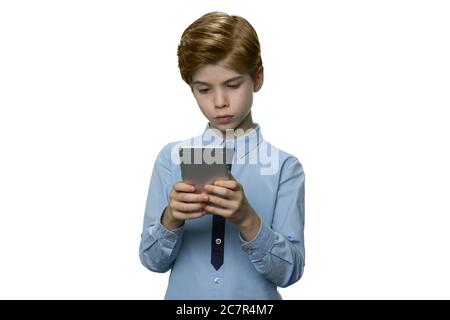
(219, 57)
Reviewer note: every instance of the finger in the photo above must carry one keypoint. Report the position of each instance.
(225, 192)
(190, 197)
(225, 203)
(229, 184)
(188, 216)
(181, 186)
(186, 207)
(217, 211)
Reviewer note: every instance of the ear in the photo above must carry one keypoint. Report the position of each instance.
(258, 79)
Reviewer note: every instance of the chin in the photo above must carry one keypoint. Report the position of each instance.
(225, 126)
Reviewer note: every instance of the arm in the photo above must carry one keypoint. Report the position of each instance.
(159, 246)
(278, 252)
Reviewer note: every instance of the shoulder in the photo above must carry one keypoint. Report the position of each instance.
(288, 163)
(170, 150)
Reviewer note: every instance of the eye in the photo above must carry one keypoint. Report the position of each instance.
(203, 90)
(234, 86)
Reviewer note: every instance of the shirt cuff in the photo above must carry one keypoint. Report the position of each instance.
(257, 248)
(168, 238)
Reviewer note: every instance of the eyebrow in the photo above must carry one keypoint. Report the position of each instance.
(229, 80)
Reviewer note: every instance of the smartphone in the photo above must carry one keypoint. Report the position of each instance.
(204, 165)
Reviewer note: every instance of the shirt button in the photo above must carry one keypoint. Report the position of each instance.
(218, 241)
(216, 280)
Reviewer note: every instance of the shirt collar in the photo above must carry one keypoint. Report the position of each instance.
(244, 143)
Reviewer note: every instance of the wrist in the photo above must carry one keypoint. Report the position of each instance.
(247, 220)
(249, 227)
(169, 222)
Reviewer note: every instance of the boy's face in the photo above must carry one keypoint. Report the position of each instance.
(221, 91)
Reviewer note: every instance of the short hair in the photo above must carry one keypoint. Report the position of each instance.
(218, 37)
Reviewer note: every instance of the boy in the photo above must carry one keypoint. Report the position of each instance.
(242, 237)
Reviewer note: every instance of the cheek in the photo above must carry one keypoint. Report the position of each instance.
(203, 103)
(244, 98)
(200, 100)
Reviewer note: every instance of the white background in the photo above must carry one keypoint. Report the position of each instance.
(90, 91)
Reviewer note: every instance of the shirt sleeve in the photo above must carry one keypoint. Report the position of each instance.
(278, 251)
(159, 247)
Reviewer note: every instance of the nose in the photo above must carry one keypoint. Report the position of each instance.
(220, 99)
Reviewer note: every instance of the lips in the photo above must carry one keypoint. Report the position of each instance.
(224, 118)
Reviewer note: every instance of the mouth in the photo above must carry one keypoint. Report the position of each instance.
(224, 118)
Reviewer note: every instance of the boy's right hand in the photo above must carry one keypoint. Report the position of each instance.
(184, 204)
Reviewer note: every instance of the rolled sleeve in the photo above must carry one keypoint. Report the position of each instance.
(159, 247)
(167, 238)
(278, 251)
(259, 247)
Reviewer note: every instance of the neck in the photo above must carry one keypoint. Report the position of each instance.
(246, 124)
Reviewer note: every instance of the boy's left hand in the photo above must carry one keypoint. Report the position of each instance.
(229, 195)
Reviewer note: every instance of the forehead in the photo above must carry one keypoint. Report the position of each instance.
(215, 74)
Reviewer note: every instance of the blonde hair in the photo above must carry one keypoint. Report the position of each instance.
(219, 37)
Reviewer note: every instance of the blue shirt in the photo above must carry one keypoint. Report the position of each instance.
(252, 269)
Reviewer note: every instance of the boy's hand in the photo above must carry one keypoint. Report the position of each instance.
(232, 204)
(184, 205)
